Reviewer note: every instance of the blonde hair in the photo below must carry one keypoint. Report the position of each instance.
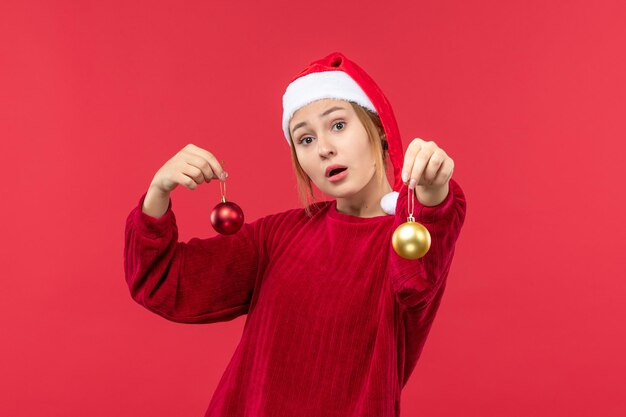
(377, 140)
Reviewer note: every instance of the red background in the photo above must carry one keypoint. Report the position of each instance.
(526, 97)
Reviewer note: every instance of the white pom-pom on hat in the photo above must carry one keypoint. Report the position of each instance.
(389, 201)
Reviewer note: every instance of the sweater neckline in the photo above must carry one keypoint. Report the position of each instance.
(337, 215)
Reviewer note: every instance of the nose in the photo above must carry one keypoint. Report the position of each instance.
(324, 146)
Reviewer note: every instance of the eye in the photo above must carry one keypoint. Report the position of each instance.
(305, 138)
(340, 123)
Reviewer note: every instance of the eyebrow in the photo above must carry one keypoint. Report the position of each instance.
(332, 109)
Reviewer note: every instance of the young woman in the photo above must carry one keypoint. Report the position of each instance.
(336, 320)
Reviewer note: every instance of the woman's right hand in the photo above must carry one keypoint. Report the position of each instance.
(190, 167)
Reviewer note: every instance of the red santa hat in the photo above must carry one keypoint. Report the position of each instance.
(337, 77)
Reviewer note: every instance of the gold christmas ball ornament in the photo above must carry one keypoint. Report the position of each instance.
(411, 240)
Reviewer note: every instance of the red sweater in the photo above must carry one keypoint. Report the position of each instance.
(336, 320)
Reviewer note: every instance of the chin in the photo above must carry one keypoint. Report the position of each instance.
(343, 191)
(336, 194)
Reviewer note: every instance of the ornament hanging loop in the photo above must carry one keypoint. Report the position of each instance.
(410, 207)
(223, 190)
(223, 186)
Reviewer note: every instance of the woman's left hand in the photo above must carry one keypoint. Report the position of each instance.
(426, 165)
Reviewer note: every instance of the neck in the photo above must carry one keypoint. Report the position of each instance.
(366, 203)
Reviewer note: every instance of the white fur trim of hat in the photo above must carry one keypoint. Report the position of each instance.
(317, 86)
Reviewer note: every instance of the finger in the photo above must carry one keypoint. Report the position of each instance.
(194, 173)
(186, 181)
(409, 158)
(202, 164)
(421, 161)
(216, 167)
(434, 166)
(445, 173)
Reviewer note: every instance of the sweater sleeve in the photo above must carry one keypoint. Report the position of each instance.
(199, 281)
(415, 282)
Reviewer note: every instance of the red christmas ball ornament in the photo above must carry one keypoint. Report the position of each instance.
(226, 217)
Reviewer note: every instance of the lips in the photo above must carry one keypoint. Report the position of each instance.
(335, 169)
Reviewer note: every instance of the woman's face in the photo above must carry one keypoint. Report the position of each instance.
(328, 132)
